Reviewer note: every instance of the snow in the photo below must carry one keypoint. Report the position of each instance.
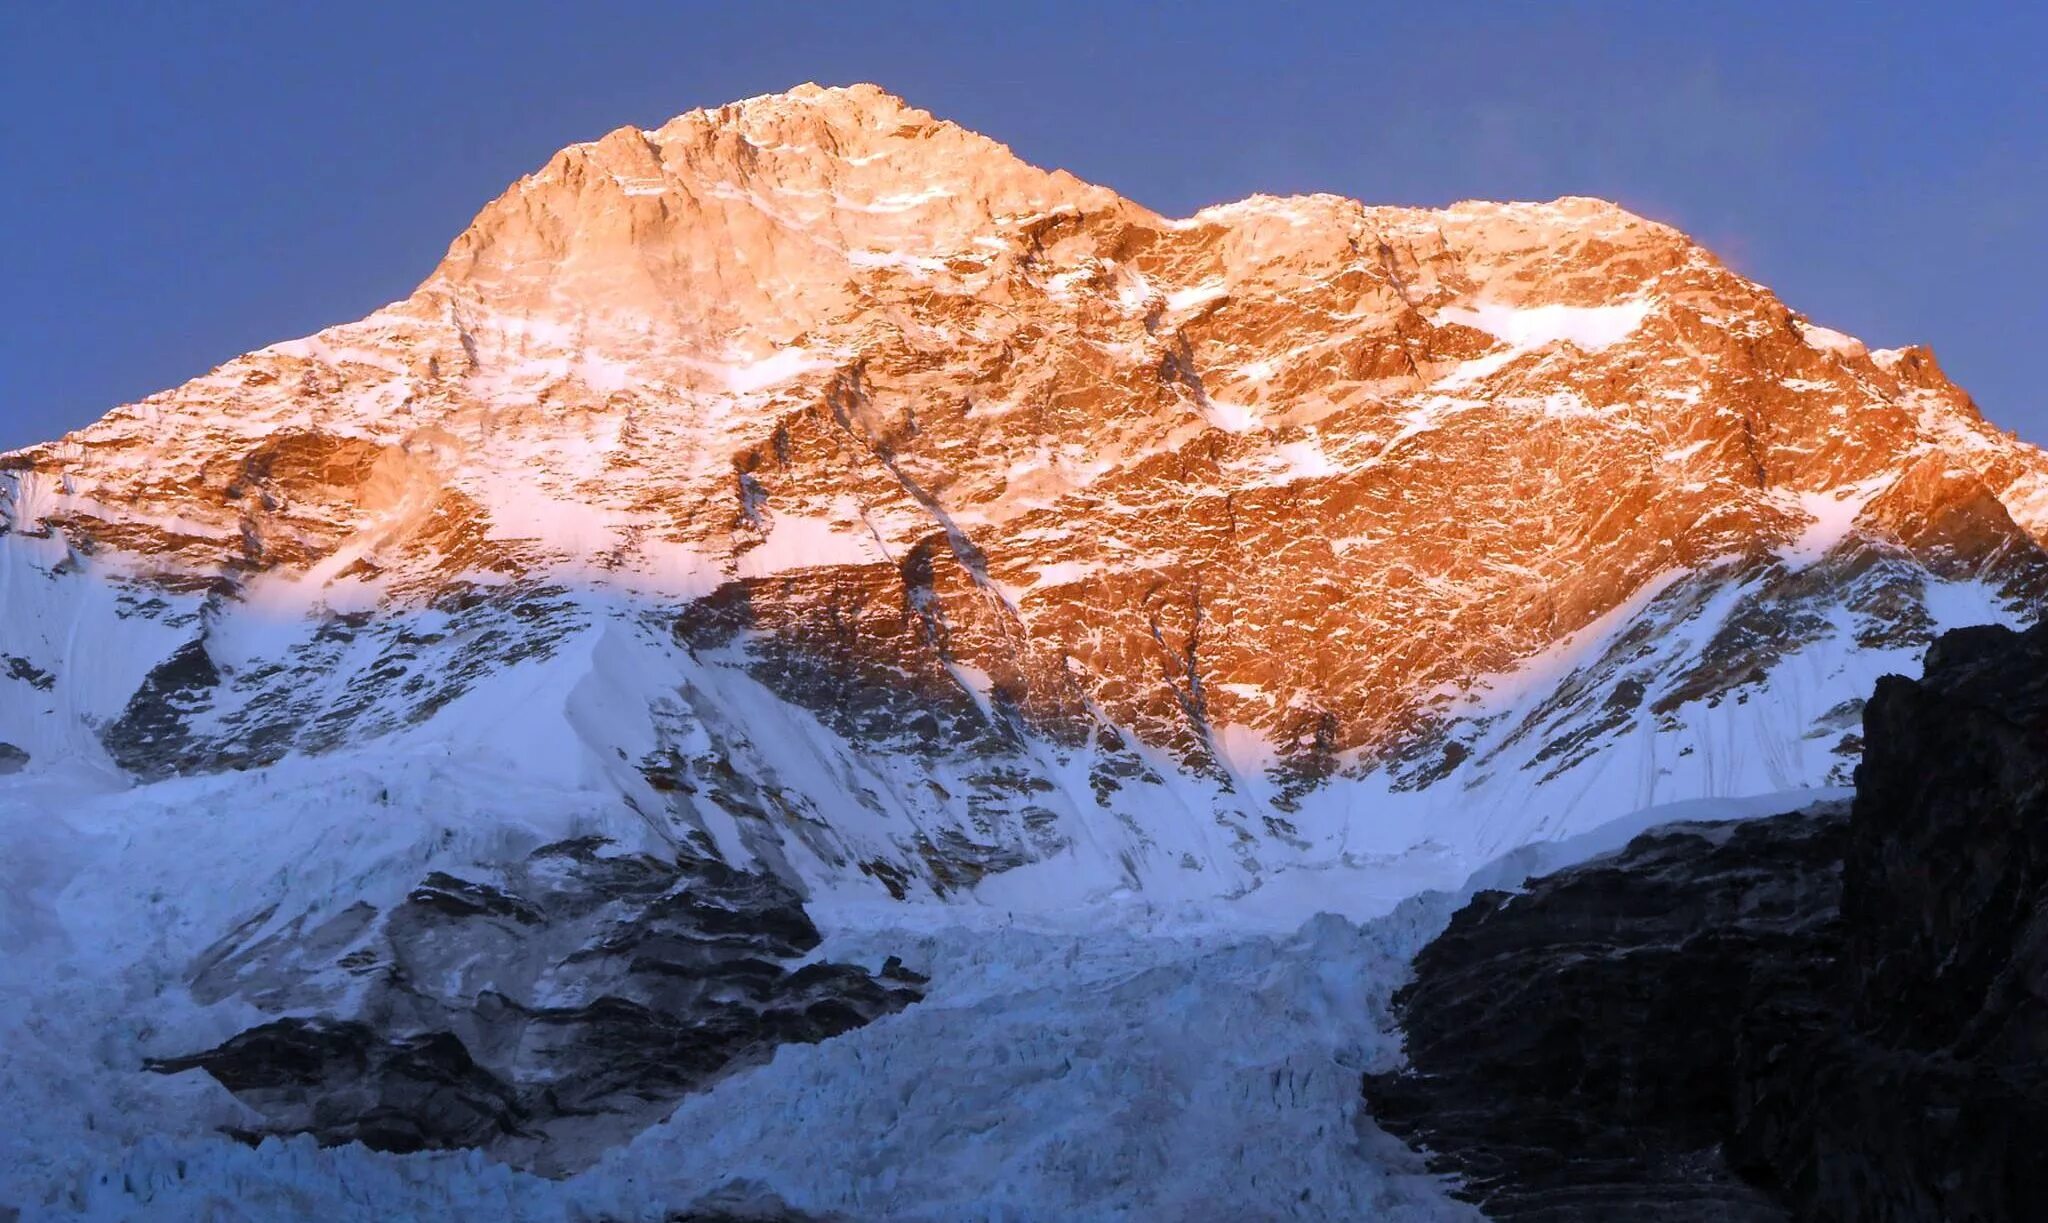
(1231, 417)
(1829, 340)
(1591, 328)
(1078, 1070)
(1525, 329)
(571, 528)
(917, 265)
(1293, 210)
(1133, 289)
(1110, 1061)
(1830, 515)
(1196, 295)
(1062, 284)
(903, 201)
(799, 542)
(1062, 573)
(783, 365)
(1143, 1025)
(1244, 750)
(1106, 1061)
(1288, 462)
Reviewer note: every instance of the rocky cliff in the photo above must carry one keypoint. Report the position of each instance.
(1826, 1015)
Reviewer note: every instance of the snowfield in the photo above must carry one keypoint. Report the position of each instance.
(1120, 1060)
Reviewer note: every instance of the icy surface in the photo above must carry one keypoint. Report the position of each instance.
(1525, 327)
(1123, 1060)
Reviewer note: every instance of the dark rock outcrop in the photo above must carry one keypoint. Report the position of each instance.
(349, 677)
(545, 1013)
(1920, 1089)
(12, 759)
(1814, 1016)
(348, 1083)
(1569, 1048)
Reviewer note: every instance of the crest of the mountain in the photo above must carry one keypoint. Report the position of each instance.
(848, 499)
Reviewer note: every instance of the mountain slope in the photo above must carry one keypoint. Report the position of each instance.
(1026, 515)
(805, 511)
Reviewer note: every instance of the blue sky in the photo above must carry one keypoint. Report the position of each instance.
(184, 182)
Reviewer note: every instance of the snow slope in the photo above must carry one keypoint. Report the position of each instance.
(1120, 1060)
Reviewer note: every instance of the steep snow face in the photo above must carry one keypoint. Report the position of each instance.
(1530, 327)
(868, 787)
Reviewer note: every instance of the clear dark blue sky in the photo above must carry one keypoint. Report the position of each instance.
(186, 181)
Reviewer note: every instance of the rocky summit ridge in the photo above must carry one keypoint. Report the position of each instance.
(832, 492)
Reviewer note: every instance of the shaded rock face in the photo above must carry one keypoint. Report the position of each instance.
(12, 759)
(545, 1013)
(1570, 1048)
(347, 1082)
(347, 678)
(1811, 1016)
(1922, 1089)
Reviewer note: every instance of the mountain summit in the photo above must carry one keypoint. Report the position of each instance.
(1192, 547)
(787, 571)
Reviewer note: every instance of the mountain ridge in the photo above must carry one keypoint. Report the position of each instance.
(977, 466)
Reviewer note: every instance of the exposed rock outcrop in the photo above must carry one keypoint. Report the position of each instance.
(1809, 1016)
(1919, 1087)
(1571, 1048)
(544, 1013)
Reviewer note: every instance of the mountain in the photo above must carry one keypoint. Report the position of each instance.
(805, 523)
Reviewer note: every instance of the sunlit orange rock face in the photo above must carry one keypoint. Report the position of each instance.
(863, 393)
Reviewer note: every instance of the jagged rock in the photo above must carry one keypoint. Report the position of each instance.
(12, 759)
(1917, 1087)
(345, 1082)
(28, 673)
(1569, 1048)
(1807, 1016)
(543, 1014)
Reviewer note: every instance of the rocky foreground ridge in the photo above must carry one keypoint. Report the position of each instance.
(1832, 1014)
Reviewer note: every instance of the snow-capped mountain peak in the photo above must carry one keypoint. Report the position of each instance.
(1194, 547)
(806, 511)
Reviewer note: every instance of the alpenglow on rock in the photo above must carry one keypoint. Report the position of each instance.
(812, 484)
